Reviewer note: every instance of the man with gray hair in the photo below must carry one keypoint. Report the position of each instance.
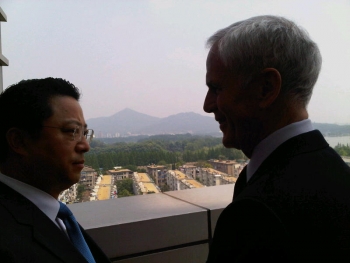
(292, 201)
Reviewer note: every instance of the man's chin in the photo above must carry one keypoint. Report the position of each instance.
(228, 142)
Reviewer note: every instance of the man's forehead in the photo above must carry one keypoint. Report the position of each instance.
(213, 54)
(66, 111)
(215, 66)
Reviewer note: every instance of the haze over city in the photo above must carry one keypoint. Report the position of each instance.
(150, 55)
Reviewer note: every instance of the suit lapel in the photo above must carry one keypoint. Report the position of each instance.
(241, 182)
(45, 232)
(50, 236)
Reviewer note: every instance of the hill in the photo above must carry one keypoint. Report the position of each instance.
(332, 129)
(129, 122)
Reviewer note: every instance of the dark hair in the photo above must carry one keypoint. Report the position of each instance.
(26, 105)
(261, 42)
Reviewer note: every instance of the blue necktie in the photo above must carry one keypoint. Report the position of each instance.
(74, 232)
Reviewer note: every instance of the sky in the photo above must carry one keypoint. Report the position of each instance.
(149, 55)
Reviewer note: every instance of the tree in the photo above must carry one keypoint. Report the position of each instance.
(80, 191)
(91, 160)
(131, 167)
(141, 170)
(159, 149)
(162, 162)
(105, 161)
(204, 164)
(125, 184)
(342, 150)
(222, 157)
(178, 164)
(124, 193)
(97, 143)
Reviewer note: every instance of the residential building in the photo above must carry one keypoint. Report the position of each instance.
(69, 195)
(212, 177)
(121, 174)
(143, 184)
(88, 177)
(189, 170)
(177, 180)
(158, 174)
(229, 167)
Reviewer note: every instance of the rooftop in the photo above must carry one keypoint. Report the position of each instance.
(223, 161)
(195, 183)
(151, 187)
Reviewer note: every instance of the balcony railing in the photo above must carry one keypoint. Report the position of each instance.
(170, 227)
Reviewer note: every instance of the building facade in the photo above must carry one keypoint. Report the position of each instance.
(88, 177)
(177, 180)
(121, 174)
(212, 177)
(69, 195)
(229, 167)
(189, 170)
(143, 184)
(158, 174)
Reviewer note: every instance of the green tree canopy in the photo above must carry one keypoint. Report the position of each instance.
(124, 193)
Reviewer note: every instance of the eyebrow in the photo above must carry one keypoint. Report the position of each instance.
(77, 123)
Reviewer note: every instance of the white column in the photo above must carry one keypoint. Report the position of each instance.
(217, 179)
(3, 60)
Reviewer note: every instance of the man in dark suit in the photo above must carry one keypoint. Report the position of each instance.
(292, 201)
(43, 138)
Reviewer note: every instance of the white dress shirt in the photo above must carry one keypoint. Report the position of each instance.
(271, 142)
(45, 202)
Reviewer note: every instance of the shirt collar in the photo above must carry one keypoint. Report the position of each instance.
(45, 202)
(271, 142)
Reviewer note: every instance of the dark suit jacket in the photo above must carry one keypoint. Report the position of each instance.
(295, 208)
(28, 235)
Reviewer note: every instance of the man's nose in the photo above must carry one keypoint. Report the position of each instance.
(83, 145)
(209, 102)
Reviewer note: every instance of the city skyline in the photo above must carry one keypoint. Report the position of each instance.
(150, 56)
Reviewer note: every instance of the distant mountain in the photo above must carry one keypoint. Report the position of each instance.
(129, 122)
(188, 122)
(123, 122)
(332, 129)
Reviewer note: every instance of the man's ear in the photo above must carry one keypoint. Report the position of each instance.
(270, 86)
(16, 140)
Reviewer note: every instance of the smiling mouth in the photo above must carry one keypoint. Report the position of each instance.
(222, 124)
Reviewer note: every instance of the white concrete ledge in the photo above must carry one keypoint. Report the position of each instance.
(171, 227)
(213, 198)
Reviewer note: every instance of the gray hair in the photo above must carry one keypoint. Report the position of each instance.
(260, 42)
